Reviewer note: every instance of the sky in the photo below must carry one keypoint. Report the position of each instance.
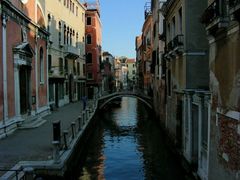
(122, 21)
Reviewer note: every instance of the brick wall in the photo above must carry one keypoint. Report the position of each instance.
(229, 143)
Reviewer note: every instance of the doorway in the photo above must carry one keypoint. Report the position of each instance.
(24, 79)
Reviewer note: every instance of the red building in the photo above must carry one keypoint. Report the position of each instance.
(93, 48)
(23, 65)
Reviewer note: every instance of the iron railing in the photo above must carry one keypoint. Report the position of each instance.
(211, 13)
(178, 40)
(18, 173)
(234, 3)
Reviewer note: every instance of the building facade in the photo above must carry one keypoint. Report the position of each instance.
(107, 71)
(139, 63)
(66, 51)
(93, 48)
(158, 66)
(131, 73)
(221, 19)
(23, 77)
(147, 45)
(188, 100)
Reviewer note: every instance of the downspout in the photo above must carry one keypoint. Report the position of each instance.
(4, 56)
(36, 69)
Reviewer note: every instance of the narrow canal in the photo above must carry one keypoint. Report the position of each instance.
(128, 144)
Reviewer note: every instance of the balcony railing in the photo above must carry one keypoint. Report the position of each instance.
(178, 41)
(234, 3)
(56, 71)
(72, 52)
(211, 13)
(234, 8)
(175, 43)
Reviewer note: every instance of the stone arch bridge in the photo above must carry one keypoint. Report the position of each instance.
(102, 101)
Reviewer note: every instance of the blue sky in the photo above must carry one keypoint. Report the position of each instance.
(122, 21)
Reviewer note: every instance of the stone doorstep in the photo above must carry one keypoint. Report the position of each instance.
(34, 121)
(32, 124)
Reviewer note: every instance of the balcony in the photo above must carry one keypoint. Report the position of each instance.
(215, 16)
(56, 71)
(71, 52)
(176, 45)
(234, 8)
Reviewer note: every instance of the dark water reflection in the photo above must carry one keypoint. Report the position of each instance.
(127, 144)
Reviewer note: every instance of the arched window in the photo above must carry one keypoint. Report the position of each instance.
(41, 65)
(65, 34)
(59, 32)
(76, 39)
(89, 58)
(89, 39)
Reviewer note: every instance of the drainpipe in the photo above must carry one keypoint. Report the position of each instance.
(4, 56)
(47, 77)
(36, 69)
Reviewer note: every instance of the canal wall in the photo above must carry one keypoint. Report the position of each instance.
(65, 154)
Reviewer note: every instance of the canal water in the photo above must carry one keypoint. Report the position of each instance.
(127, 144)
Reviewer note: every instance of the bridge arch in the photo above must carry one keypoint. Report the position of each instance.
(107, 100)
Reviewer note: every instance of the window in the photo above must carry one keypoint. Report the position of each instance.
(49, 22)
(66, 65)
(67, 88)
(65, 34)
(61, 65)
(78, 68)
(67, 3)
(76, 11)
(133, 72)
(89, 20)
(168, 33)
(89, 39)
(180, 20)
(73, 7)
(41, 65)
(89, 58)
(51, 92)
(59, 32)
(169, 83)
(67, 37)
(76, 39)
(49, 62)
(89, 76)
(173, 27)
(71, 36)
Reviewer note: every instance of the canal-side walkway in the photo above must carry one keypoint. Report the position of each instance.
(35, 144)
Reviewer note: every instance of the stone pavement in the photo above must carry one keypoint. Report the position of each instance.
(35, 144)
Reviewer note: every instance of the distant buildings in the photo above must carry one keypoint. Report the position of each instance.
(93, 35)
(108, 84)
(131, 72)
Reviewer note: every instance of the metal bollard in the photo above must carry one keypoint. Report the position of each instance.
(73, 129)
(28, 173)
(56, 153)
(79, 123)
(56, 131)
(65, 133)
